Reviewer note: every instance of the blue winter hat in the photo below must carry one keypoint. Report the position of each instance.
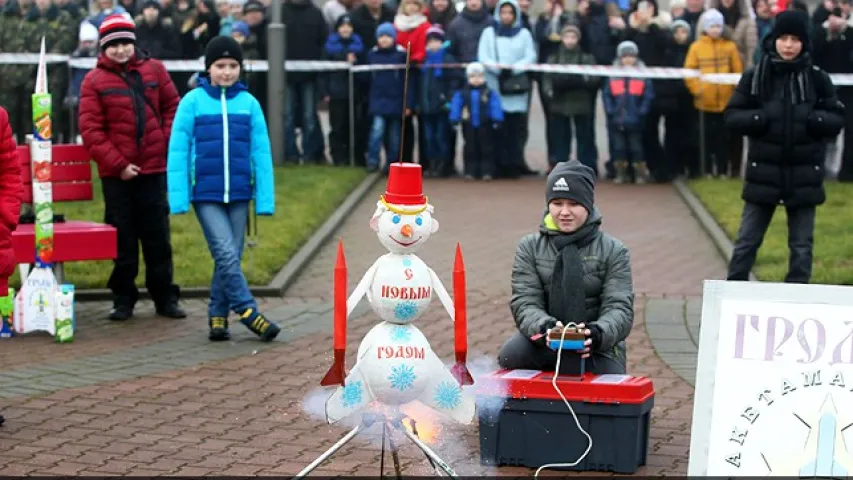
(388, 29)
(240, 27)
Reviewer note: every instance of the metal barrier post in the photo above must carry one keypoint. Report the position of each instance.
(351, 120)
(276, 82)
(702, 146)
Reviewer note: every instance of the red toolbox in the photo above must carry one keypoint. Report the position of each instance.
(524, 422)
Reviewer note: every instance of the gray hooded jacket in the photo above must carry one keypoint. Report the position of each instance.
(608, 286)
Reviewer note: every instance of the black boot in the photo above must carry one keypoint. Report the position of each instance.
(218, 329)
(122, 309)
(168, 306)
(170, 309)
(2, 419)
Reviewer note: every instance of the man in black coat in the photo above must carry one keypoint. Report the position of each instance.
(788, 108)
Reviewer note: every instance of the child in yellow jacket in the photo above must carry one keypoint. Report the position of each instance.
(712, 53)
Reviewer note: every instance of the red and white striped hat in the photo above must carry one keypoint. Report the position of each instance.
(117, 28)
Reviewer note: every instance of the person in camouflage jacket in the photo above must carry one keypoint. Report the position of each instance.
(23, 25)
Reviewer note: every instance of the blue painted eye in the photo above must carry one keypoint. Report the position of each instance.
(419, 221)
(395, 219)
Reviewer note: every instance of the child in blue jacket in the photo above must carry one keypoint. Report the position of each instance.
(342, 45)
(627, 102)
(386, 101)
(437, 85)
(219, 160)
(478, 108)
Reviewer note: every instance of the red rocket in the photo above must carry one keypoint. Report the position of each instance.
(460, 325)
(336, 373)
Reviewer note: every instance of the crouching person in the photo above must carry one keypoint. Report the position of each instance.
(570, 271)
(219, 159)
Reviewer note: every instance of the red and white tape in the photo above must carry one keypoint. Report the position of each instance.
(844, 79)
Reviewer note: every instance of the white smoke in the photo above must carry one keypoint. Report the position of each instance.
(450, 438)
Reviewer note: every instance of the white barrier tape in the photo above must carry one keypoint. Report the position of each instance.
(30, 58)
(844, 79)
(249, 65)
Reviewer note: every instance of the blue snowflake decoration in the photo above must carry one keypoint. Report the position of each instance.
(405, 311)
(448, 395)
(351, 394)
(407, 262)
(401, 334)
(402, 377)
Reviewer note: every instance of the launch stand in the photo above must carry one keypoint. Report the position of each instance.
(395, 422)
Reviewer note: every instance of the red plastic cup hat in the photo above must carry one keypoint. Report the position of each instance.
(405, 185)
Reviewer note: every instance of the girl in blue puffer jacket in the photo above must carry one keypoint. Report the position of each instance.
(219, 160)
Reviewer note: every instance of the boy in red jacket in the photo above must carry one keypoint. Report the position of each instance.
(11, 190)
(127, 104)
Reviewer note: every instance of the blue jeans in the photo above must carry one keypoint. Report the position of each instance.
(626, 145)
(224, 227)
(561, 127)
(384, 131)
(302, 96)
(437, 126)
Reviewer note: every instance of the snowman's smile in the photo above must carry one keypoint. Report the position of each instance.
(409, 244)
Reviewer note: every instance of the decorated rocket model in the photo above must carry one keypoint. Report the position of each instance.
(396, 364)
(35, 302)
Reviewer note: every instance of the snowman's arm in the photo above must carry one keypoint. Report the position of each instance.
(361, 288)
(443, 296)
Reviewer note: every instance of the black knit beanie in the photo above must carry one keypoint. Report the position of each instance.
(222, 47)
(791, 22)
(574, 181)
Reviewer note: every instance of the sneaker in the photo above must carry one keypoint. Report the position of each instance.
(121, 312)
(218, 329)
(487, 178)
(259, 325)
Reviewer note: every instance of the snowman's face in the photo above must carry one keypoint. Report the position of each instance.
(403, 232)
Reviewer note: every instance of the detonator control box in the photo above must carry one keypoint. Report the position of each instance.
(524, 422)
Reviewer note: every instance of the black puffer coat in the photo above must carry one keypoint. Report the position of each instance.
(786, 155)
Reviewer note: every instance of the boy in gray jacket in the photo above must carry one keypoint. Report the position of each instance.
(570, 272)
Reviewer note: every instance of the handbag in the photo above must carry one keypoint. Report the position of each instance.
(511, 83)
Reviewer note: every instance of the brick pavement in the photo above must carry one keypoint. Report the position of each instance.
(242, 414)
(153, 397)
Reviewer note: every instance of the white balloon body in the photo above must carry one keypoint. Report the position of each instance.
(402, 288)
(397, 363)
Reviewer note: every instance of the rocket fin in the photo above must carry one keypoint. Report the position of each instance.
(444, 395)
(350, 398)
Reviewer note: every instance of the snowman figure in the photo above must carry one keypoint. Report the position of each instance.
(395, 363)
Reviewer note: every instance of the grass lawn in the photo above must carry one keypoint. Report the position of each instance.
(305, 197)
(833, 251)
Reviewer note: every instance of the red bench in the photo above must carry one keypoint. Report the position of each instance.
(71, 174)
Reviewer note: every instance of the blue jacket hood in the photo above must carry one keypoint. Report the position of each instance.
(215, 92)
(497, 14)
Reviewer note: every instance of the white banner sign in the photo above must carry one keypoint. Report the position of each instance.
(774, 390)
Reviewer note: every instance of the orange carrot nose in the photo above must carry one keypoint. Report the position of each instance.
(406, 230)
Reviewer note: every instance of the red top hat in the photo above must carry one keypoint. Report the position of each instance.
(405, 184)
